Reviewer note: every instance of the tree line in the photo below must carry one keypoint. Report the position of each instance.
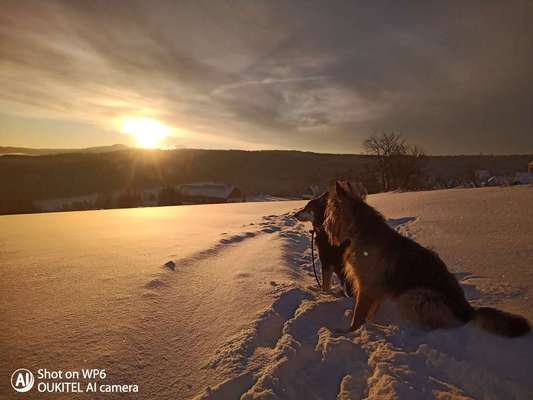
(390, 163)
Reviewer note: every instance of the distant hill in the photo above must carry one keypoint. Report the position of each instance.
(277, 173)
(272, 172)
(26, 151)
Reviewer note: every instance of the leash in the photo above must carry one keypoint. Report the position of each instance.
(312, 231)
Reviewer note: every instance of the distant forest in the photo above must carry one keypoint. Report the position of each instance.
(25, 179)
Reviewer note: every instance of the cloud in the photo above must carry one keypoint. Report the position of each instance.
(450, 76)
(266, 81)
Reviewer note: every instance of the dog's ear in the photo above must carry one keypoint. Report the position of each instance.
(349, 188)
(357, 190)
(340, 190)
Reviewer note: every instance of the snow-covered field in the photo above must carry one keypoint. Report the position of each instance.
(238, 315)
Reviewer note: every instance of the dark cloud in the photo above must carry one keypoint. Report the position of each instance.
(453, 76)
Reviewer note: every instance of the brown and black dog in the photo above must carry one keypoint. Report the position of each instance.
(331, 257)
(381, 263)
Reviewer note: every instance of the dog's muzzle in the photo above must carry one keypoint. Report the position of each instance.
(304, 216)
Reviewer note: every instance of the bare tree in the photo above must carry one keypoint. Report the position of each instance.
(384, 147)
(397, 161)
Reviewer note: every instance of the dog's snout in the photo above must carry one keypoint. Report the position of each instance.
(303, 216)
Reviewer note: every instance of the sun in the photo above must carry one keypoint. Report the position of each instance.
(149, 133)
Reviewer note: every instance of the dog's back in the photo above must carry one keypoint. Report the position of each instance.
(383, 263)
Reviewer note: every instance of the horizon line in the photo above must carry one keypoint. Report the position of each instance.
(127, 147)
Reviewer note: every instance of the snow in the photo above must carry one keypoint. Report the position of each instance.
(219, 301)
(380, 360)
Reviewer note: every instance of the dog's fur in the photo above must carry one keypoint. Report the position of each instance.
(382, 263)
(331, 257)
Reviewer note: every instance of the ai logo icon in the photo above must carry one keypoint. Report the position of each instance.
(22, 380)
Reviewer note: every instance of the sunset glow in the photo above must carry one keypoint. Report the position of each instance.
(149, 133)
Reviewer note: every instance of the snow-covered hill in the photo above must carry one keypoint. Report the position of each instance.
(237, 314)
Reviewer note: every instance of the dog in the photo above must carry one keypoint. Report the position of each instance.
(331, 257)
(382, 264)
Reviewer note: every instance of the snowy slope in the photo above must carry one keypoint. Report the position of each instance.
(89, 290)
(238, 314)
(295, 352)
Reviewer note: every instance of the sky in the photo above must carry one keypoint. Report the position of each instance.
(454, 77)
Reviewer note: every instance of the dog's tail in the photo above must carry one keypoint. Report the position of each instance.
(500, 322)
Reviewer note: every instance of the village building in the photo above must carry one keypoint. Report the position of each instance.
(524, 178)
(482, 175)
(194, 193)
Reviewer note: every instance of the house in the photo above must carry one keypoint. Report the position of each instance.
(523, 178)
(482, 175)
(208, 192)
(498, 181)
